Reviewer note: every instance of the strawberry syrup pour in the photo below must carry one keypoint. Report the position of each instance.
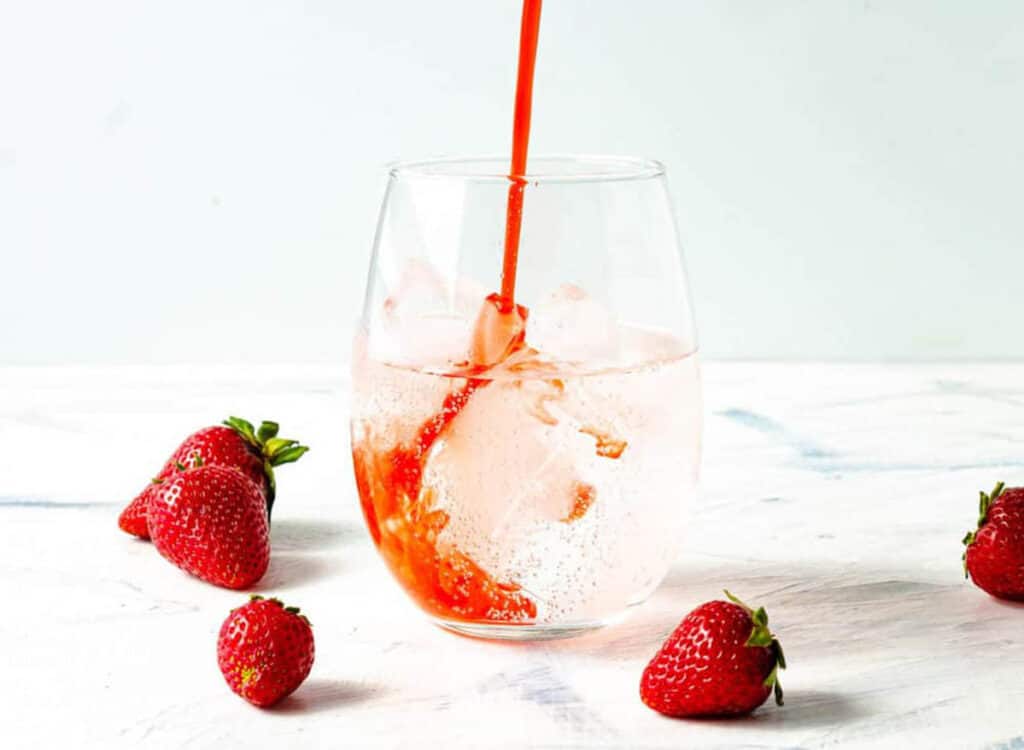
(501, 325)
(400, 513)
(520, 145)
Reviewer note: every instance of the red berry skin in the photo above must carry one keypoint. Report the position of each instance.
(705, 668)
(265, 651)
(133, 517)
(218, 445)
(221, 446)
(212, 522)
(995, 557)
(236, 443)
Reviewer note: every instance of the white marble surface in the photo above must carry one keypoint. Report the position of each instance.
(834, 495)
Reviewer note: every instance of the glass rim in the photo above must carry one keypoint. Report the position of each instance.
(543, 168)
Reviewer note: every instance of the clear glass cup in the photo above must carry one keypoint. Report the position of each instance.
(543, 496)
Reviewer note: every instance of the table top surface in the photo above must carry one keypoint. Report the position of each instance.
(834, 495)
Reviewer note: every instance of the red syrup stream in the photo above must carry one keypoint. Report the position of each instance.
(400, 513)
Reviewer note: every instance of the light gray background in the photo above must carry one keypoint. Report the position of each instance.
(199, 180)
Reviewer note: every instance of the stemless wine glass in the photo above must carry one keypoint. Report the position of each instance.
(545, 495)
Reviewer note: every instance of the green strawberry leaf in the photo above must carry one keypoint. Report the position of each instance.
(288, 455)
(267, 430)
(274, 450)
(275, 445)
(244, 429)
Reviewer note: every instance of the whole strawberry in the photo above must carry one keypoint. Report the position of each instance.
(211, 521)
(994, 558)
(721, 661)
(265, 650)
(254, 452)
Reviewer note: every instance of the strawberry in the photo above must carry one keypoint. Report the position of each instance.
(254, 452)
(133, 517)
(720, 661)
(211, 521)
(994, 558)
(265, 650)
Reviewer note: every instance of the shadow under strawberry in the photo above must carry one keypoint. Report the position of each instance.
(306, 534)
(288, 571)
(325, 695)
(805, 709)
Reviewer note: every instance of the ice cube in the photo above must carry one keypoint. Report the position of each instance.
(571, 326)
(499, 465)
(426, 319)
(508, 473)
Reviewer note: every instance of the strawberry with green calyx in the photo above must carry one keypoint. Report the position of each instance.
(994, 558)
(236, 443)
(265, 650)
(722, 660)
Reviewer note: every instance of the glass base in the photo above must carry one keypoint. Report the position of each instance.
(498, 632)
